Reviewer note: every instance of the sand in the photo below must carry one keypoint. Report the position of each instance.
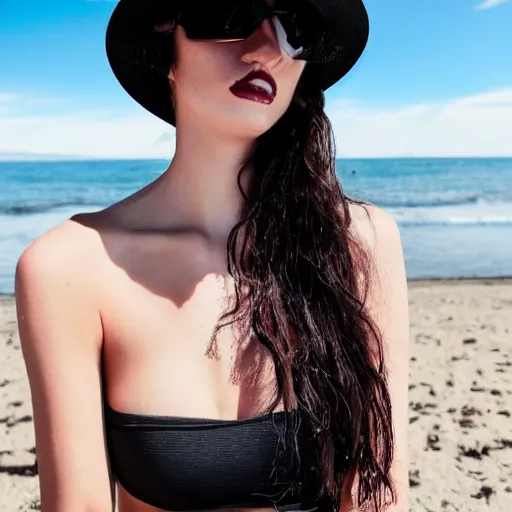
(460, 434)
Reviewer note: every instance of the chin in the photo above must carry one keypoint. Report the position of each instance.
(253, 122)
(255, 127)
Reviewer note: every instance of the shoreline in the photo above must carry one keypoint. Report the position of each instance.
(414, 282)
(454, 281)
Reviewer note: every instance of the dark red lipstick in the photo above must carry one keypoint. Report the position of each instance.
(256, 86)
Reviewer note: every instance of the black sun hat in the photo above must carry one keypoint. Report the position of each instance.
(140, 56)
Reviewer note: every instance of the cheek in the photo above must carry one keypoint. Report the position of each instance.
(296, 70)
(202, 72)
(288, 84)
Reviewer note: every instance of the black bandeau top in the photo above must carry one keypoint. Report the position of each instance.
(180, 464)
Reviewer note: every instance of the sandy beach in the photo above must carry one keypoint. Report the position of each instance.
(460, 413)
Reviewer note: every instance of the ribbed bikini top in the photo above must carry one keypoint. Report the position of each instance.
(180, 464)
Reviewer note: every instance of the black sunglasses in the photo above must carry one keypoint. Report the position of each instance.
(298, 25)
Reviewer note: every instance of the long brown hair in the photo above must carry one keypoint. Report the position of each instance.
(302, 280)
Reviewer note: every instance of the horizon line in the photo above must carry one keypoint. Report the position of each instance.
(29, 157)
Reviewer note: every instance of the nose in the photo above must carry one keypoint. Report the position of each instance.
(263, 46)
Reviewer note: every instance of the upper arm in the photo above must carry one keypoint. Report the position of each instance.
(60, 334)
(388, 306)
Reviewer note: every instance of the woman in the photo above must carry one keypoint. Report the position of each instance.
(234, 334)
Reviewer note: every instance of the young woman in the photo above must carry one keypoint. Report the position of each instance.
(234, 334)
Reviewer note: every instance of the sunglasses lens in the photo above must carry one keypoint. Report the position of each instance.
(284, 40)
(304, 29)
(229, 19)
(297, 26)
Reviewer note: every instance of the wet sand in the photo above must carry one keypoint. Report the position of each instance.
(460, 436)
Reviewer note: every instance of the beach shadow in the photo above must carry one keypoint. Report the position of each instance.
(12, 422)
(34, 505)
(28, 470)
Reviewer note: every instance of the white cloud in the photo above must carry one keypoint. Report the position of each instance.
(489, 4)
(90, 134)
(476, 125)
(7, 97)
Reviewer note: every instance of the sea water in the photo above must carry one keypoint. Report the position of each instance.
(454, 214)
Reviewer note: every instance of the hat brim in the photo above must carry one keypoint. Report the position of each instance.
(128, 55)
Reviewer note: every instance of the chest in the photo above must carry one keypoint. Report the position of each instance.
(158, 350)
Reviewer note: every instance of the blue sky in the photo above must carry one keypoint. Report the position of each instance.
(436, 79)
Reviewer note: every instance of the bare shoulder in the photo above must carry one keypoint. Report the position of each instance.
(75, 233)
(374, 226)
(379, 234)
(56, 281)
(68, 252)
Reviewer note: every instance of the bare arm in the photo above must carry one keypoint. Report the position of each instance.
(388, 304)
(61, 335)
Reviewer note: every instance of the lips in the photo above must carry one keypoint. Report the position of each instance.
(257, 86)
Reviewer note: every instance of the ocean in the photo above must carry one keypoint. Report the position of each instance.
(454, 214)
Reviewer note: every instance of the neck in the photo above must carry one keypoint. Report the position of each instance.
(201, 184)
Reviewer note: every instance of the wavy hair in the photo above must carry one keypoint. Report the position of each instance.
(302, 280)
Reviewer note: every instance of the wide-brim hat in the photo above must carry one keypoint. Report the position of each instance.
(140, 58)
